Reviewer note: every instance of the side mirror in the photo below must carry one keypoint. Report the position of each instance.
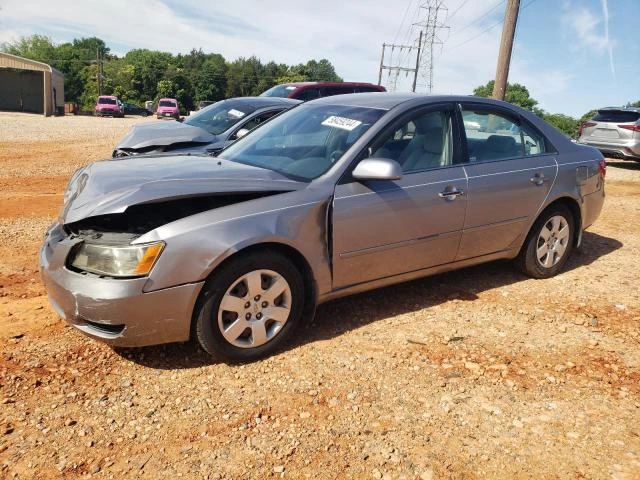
(242, 132)
(377, 169)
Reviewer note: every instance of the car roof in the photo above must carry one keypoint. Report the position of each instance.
(172, 99)
(330, 84)
(260, 102)
(619, 109)
(388, 100)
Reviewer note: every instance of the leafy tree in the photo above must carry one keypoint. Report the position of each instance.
(566, 124)
(636, 104)
(144, 74)
(516, 94)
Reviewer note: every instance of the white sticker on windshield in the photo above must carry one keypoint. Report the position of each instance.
(290, 88)
(341, 122)
(236, 113)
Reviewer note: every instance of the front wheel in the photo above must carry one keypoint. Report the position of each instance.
(249, 307)
(549, 243)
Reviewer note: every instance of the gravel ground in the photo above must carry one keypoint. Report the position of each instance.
(481, 373)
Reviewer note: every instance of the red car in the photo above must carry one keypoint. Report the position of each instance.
(309, 90)
(168, 107)
(108, 105)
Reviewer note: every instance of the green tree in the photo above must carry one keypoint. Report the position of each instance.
(516, 94)
(565, 123)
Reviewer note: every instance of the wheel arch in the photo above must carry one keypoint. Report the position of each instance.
(289, 252)
(574, 207)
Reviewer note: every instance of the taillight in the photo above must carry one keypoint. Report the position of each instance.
(602, 167)
(585, 125)
(632, 127)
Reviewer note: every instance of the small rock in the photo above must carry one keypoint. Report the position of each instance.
(7, 400)
(620, 306)
(95, 468)
(305, 415)
(377, 474)
(69, 422)
(594, 322)
(427, 475)
(562, 328)
(278, 469)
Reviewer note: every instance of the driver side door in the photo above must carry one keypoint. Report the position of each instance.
(388, 227)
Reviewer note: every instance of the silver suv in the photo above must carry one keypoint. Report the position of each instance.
(614, 131)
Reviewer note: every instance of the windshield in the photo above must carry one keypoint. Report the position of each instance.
(167, 103)
(279, 91)
(108, 101)
(304, 142)
(220, 117)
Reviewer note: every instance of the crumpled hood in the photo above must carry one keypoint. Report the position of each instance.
(110, 186)
(164, 133)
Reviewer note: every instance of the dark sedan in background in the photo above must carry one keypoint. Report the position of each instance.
(208, 130)
(131, 109)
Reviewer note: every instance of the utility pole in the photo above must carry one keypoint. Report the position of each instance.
(398, 69)
(415, 74)
(98, 71)
(506, 46)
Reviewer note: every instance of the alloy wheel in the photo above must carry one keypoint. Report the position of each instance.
(254, 308)
(552, 241)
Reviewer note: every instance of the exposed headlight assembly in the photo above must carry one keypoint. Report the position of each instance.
(117, 261)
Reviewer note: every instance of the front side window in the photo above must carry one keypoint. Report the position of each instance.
(282, 91)
(422, 143)
(304, 142)
(492, 135)
(220, 116)
(257, 120)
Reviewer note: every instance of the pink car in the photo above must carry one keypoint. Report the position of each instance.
(168, 107)
(108, 105)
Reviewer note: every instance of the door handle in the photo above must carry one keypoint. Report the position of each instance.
(451, 194)
(538, 179)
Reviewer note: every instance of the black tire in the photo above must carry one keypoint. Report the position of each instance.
(527, 260)
(145, 114)
(206, 328)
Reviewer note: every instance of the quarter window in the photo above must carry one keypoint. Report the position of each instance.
(494, 136)
(423, 142)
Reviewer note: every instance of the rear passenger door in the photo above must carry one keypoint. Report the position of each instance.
(511, 168)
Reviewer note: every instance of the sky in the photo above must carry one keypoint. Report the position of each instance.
(572, 55)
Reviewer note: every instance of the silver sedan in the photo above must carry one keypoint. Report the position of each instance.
(333, 197)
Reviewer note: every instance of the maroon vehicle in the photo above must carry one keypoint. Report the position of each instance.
(309, 90)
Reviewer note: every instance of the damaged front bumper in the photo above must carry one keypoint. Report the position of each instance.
(116, 311)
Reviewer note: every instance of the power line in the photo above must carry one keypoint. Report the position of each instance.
(488, 28)
(457, 10)
(478, 18)
(403, 19)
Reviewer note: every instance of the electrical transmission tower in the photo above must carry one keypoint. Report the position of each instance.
(431, 27)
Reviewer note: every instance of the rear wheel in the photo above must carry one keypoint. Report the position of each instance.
(549, 243)
(250, 307)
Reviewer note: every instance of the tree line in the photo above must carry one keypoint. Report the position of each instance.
(519, 95)
(143, 74)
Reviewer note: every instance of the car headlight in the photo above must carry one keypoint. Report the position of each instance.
(117, 261)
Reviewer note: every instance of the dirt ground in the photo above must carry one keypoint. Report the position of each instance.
(481, 373)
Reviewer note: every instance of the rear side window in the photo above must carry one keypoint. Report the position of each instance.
(616, 116)
(307, 94)
(330, 91)
(492, 135)
(367, 89)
